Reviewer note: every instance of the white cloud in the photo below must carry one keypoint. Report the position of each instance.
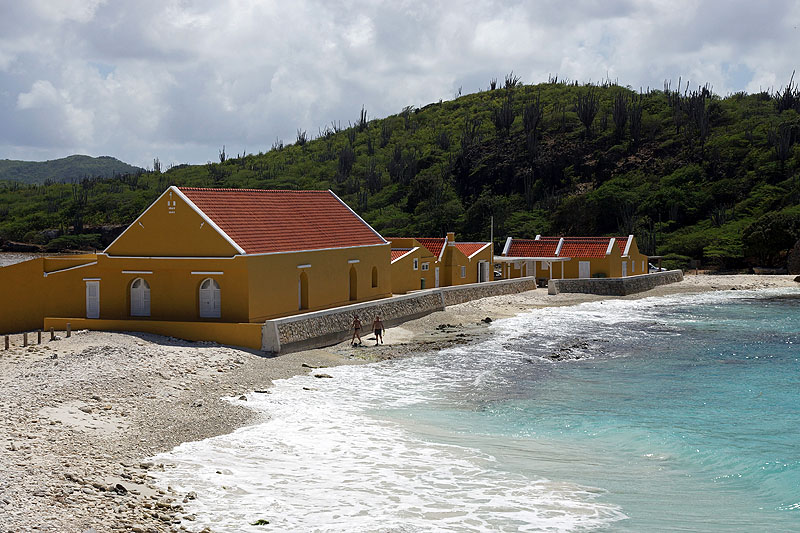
(178, 79)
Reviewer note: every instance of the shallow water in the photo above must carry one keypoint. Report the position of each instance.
(680, 415)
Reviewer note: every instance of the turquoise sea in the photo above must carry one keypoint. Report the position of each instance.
(681, 413)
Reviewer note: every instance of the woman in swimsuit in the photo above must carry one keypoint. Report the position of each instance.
(356, 330)
(377, 327)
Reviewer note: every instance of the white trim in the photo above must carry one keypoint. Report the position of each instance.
(610, 246)
(215, 258)
(538, 237)
(507, 246)
(628, 245)
(479, 250)
(405, 254)
(92, 279)
(357, 216)
(207, 219)
(560, 244)
(201, 273)
(139, 272)
(444, 247)
(304, 266)
(69, 268)
(317, 249)
(503, 259)
(353, 261)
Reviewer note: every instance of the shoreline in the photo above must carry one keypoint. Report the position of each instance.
(81, 416)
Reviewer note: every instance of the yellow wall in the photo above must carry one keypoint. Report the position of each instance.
(635, 257)
(247, 335)
(22, 296)
(405, 278)
(273, 279)
(472, 269)
(167, 230)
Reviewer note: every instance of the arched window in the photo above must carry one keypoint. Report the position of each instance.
(140, 298)
(209, 299)
(374, 277)
(353, 283)
(302, 291)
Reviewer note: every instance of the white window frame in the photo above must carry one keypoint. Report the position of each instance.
(426, 266)
(416, 263)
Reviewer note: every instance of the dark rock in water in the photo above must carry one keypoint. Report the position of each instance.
(487, 320)
(322, 376)
(243, 397)
(260, 522)
(797, 279)
(119, 488)
(262, 392)
(306, 365)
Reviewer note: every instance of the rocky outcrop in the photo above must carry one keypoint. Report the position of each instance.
(793, 263)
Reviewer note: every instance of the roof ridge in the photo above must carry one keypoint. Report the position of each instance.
(220, 189)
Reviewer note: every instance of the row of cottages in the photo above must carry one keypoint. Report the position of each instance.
(207, 264)
(424, 263)
(572, 257)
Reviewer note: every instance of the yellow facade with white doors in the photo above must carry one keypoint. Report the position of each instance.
(172, 273)
(414, 268)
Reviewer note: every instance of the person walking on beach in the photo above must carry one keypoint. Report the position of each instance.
(377, 327)
(356, 331)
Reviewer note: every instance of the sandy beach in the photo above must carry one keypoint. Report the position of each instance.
(80, 416)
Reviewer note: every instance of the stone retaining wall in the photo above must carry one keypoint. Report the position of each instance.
(614, 286)
(331, 326)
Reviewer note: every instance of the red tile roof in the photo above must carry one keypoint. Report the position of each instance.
(584, 247)
(435, 245)
(397, 253)
(263, 221)
(544, 247)
(469, 248)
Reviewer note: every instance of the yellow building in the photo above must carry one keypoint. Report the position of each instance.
(573, 257)
(208, 264)
(446, 264)
(411, 266)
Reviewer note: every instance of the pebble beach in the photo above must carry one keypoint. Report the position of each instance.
(80, 417)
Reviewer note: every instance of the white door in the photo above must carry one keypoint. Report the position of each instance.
(624, 268)
(483, 272)
(584, 269)
(209, 299)
(140, 298)
(92, 299)
(436, 277)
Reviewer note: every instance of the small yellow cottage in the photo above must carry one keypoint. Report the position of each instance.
(450, 262)
(573, 257)
(208, 264)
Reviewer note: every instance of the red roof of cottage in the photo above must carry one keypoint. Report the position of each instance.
(469, 248)
(434, 244)
(622, 243)
(397, 253)
(584, 247)
(544, 247)
(264, 221)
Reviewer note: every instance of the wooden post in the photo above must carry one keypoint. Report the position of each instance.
(6, 342)
(24, 339)
(52, 334)
(39, 337)
(69, 330)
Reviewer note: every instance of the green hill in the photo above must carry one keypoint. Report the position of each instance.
(74, 167)
(690, 173)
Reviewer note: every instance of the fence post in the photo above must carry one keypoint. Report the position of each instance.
(6, 342)
(69, 330)
(52, 334)
(39, 337)
(24, 339)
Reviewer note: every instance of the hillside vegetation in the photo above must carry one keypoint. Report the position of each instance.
(690, 173)
(66, 169)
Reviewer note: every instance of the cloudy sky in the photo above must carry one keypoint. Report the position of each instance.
(178, 79)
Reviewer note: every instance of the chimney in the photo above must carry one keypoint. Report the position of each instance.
(451, 237)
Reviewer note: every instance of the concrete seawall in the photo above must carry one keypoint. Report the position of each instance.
(331, 326)
(614, 286)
